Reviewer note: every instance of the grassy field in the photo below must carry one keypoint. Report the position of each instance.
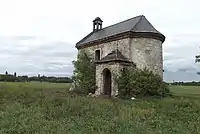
(193, 91)
(49, 108)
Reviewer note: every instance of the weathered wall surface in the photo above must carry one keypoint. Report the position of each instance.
(114, 69)
(147, 52)
(105, 48)
(144, 52)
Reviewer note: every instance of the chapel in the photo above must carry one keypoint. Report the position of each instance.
(131, 43)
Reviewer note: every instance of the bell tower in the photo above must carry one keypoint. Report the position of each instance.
(97, 24)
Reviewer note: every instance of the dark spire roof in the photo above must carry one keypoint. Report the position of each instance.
(115, 55)
(97, 18)
(138, 24)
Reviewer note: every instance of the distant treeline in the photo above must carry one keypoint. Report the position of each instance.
(192, 83)
(14, 78)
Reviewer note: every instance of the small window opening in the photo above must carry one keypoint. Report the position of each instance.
(97, 55)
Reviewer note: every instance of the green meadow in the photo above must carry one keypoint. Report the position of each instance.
(193, 91)
(46, 108)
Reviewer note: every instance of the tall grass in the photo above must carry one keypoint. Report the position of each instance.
(49, 108)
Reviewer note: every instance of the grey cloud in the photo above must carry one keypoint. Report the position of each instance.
(181, 76)
(23, 38)
(181, 55)
(50, 57)
(59, 69)
(53, 49)
(188, 69)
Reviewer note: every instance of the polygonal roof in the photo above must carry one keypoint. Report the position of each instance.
(138, 24)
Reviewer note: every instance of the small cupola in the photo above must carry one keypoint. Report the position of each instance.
(97, 24)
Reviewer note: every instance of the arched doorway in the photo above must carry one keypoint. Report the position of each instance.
(107, 82)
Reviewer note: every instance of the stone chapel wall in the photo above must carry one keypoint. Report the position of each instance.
(147, 52)
(144, 52)
(106, 48)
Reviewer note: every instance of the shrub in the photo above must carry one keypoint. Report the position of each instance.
(84, 74)
(137, 82)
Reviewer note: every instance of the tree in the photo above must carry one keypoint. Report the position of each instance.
(197, 60)
(84, 74)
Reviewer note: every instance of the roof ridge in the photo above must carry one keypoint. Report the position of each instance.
(138, 22)
(142, 20)
(121, 22)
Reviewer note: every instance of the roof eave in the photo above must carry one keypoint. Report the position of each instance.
(113, 60)
(147, 34)
(129, 34)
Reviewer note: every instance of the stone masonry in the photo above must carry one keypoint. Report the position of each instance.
(142, 47)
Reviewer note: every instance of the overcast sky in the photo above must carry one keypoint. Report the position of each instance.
(39, 36)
